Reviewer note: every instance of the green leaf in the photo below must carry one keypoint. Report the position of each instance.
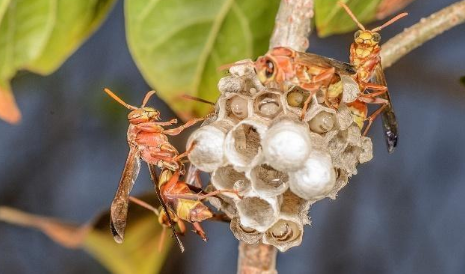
(24, 30)
(75, 21)
(138, 254)
(330, 18)
(179, 44)
(462, 80)
(3, 7)
(39, 35)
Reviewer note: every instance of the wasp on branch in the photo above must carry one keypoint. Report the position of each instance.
(365, 56)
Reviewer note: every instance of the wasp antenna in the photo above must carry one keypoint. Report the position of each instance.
(399, 16)
(144, 205)
(351, 14)
(119, 100)
(193, 98)
(147, 97)
(228, 66)
(162, 239)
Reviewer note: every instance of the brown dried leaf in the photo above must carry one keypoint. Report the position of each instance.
(9, 111)
(388, 7)
(138, 254)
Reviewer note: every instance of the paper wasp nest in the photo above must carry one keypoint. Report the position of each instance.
(256, 144)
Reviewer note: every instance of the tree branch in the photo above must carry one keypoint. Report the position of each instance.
(421, 32)
(292, 25)
(257, 259)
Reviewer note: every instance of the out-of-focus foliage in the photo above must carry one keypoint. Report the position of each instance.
(138, 254)
(462, 80)
(39, 35)
(388, 7)
(179, 44)
(330, 18)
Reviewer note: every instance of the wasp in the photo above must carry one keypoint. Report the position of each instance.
(308, 71)
(365, 57)
(148, 141)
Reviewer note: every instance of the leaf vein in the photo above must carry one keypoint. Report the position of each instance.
(218, 21)
(245, 27)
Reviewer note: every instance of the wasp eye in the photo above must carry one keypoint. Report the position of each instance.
(376, 37)
(269, 69)
(357, 34)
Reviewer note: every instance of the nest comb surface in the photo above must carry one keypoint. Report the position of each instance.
(257, 144)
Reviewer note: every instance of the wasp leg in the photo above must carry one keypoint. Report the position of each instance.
(150, 127)
(176, 131)
(372, 117)
(185, 153)
(147, 97)
(201, 196)
(314, 86)
(373, 94)
(198, 180)
(144, 205)
(199, 231)
(326, 74)
(313, 89)
(364, 86)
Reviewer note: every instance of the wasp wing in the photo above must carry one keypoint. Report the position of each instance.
(119, 206)
(311, 59)
(388, 115)
(154, 177)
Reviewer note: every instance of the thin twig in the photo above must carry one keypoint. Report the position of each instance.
(257, 259)
(292, 25)
(421, 32)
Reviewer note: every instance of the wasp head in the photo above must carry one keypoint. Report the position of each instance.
(367, 38)
(144, 114)
(266, 69)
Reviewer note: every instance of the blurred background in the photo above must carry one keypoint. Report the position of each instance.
(403, 213)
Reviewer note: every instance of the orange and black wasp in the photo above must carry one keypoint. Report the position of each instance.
(148, 141)
(309, 71)
(365, 56)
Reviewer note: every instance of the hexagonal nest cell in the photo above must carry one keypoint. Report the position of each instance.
(250, 130)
